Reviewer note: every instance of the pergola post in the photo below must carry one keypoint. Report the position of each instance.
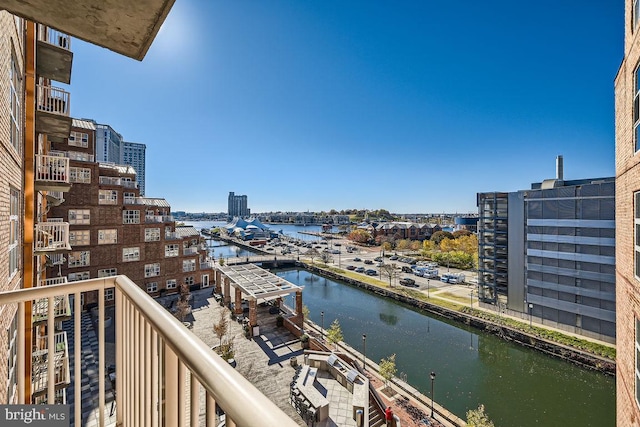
(227, 291)
(253, 312)
(238, 302)
(299, 316)
(218, 282)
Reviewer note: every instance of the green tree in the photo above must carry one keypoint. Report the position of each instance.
(478, 418)
(438, 236)
(387, 369)
(334, 333)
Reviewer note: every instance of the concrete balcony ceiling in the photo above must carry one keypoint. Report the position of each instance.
(123, 26)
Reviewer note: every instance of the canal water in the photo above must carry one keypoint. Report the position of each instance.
(518, 386)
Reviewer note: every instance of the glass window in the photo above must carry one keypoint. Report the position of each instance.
(151, 234)
(107, 272)
(80, 175)
(636, 106)
(152, 270)
(171, 250)
(79, 238)
(15, 95)
(636, 200)
(82, 275)
(171, 283)
(14, 231)
(109, 294)
(130, 254)
(78, 139)
(189, 265)
(79, 259)
(131, 217)
(152, 287)
(189, 281)
(80, 216)
(638, 362)
(107, 237)
(108, 197)
(636, 13)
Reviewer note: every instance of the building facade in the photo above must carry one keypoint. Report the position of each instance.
(134, 154)
(627, 116)
(108, 144)
(550, 252)
(237, 206)
(113, 230)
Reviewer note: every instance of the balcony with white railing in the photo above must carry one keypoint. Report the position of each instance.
(192, 250)
(52, 111)
(158, 218)
(163, 370)
(50, 367)
(53, 260)
(206, 265)
(53, 50)
(52, 173)
(61, 309)
(51, 236)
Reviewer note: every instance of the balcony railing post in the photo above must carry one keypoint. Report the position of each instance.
(195, 401)
(51, 359)
(101, 358)
(21, 354)
(171, 386)
(77, 348)
(119, 319)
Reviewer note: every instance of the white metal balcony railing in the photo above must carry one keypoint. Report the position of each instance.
(170, 235)
(177, 370)
(129, 184)
(80, 157)
(192, 250)
(52, 169)
(53, 281)
(110, 180)
(50, 367)
(61, 310)
(158, 218)
(54, 37)
(206, 265)
(52, 99)
(53, 260)
(52, 236)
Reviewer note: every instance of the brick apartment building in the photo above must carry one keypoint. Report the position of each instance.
(627, 116)
(113, 230)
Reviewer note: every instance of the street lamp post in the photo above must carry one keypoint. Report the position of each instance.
(428, 283)
(471, 297)
(322, 324)
(530, 313)
(364, 352)
(433, 378)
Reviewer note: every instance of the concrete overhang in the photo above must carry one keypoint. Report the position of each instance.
(127, 27)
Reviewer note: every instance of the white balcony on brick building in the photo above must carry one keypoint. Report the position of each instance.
(53, 50)
(51, 236)
(52, 173)
(52, 111)
(45, 362)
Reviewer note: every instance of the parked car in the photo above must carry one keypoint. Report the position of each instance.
(356, 259)
(406, 269)
(368, 261)
(351, 267)
(393, 257)
(407, 281)
(378, 258)
(360, 270)
(371, 272)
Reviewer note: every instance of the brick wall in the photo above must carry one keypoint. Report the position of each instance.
(627, 182)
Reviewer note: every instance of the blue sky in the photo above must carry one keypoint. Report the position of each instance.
(410, 106)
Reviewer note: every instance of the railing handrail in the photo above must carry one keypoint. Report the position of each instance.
(228, 387)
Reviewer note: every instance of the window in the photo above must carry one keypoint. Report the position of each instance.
(130, 254)
(79, 259)
(80, 175)
(635, 13)
(205, 280)
(189, 265)
(151, 270)
(108, 197)
(638, 362)
(107, 237)
(636, 198)
(79, 238)
(151, 234)
(189, 281)
(171, 283)
(12, 351)
(171, 250)
(14, 231)
(15, 95)
(109, 294)
(79, 139)
(79, 216)
(130, 217)
(74, 277)
(636, 107)
(152, 287)
(107, 272)
(129, 198)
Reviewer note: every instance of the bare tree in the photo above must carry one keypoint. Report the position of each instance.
(389, 270)
(220, 329)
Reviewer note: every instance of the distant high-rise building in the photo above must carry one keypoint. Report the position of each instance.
(133, 154)
(237, 206)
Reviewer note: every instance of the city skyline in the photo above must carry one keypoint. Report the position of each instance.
(409, 107)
